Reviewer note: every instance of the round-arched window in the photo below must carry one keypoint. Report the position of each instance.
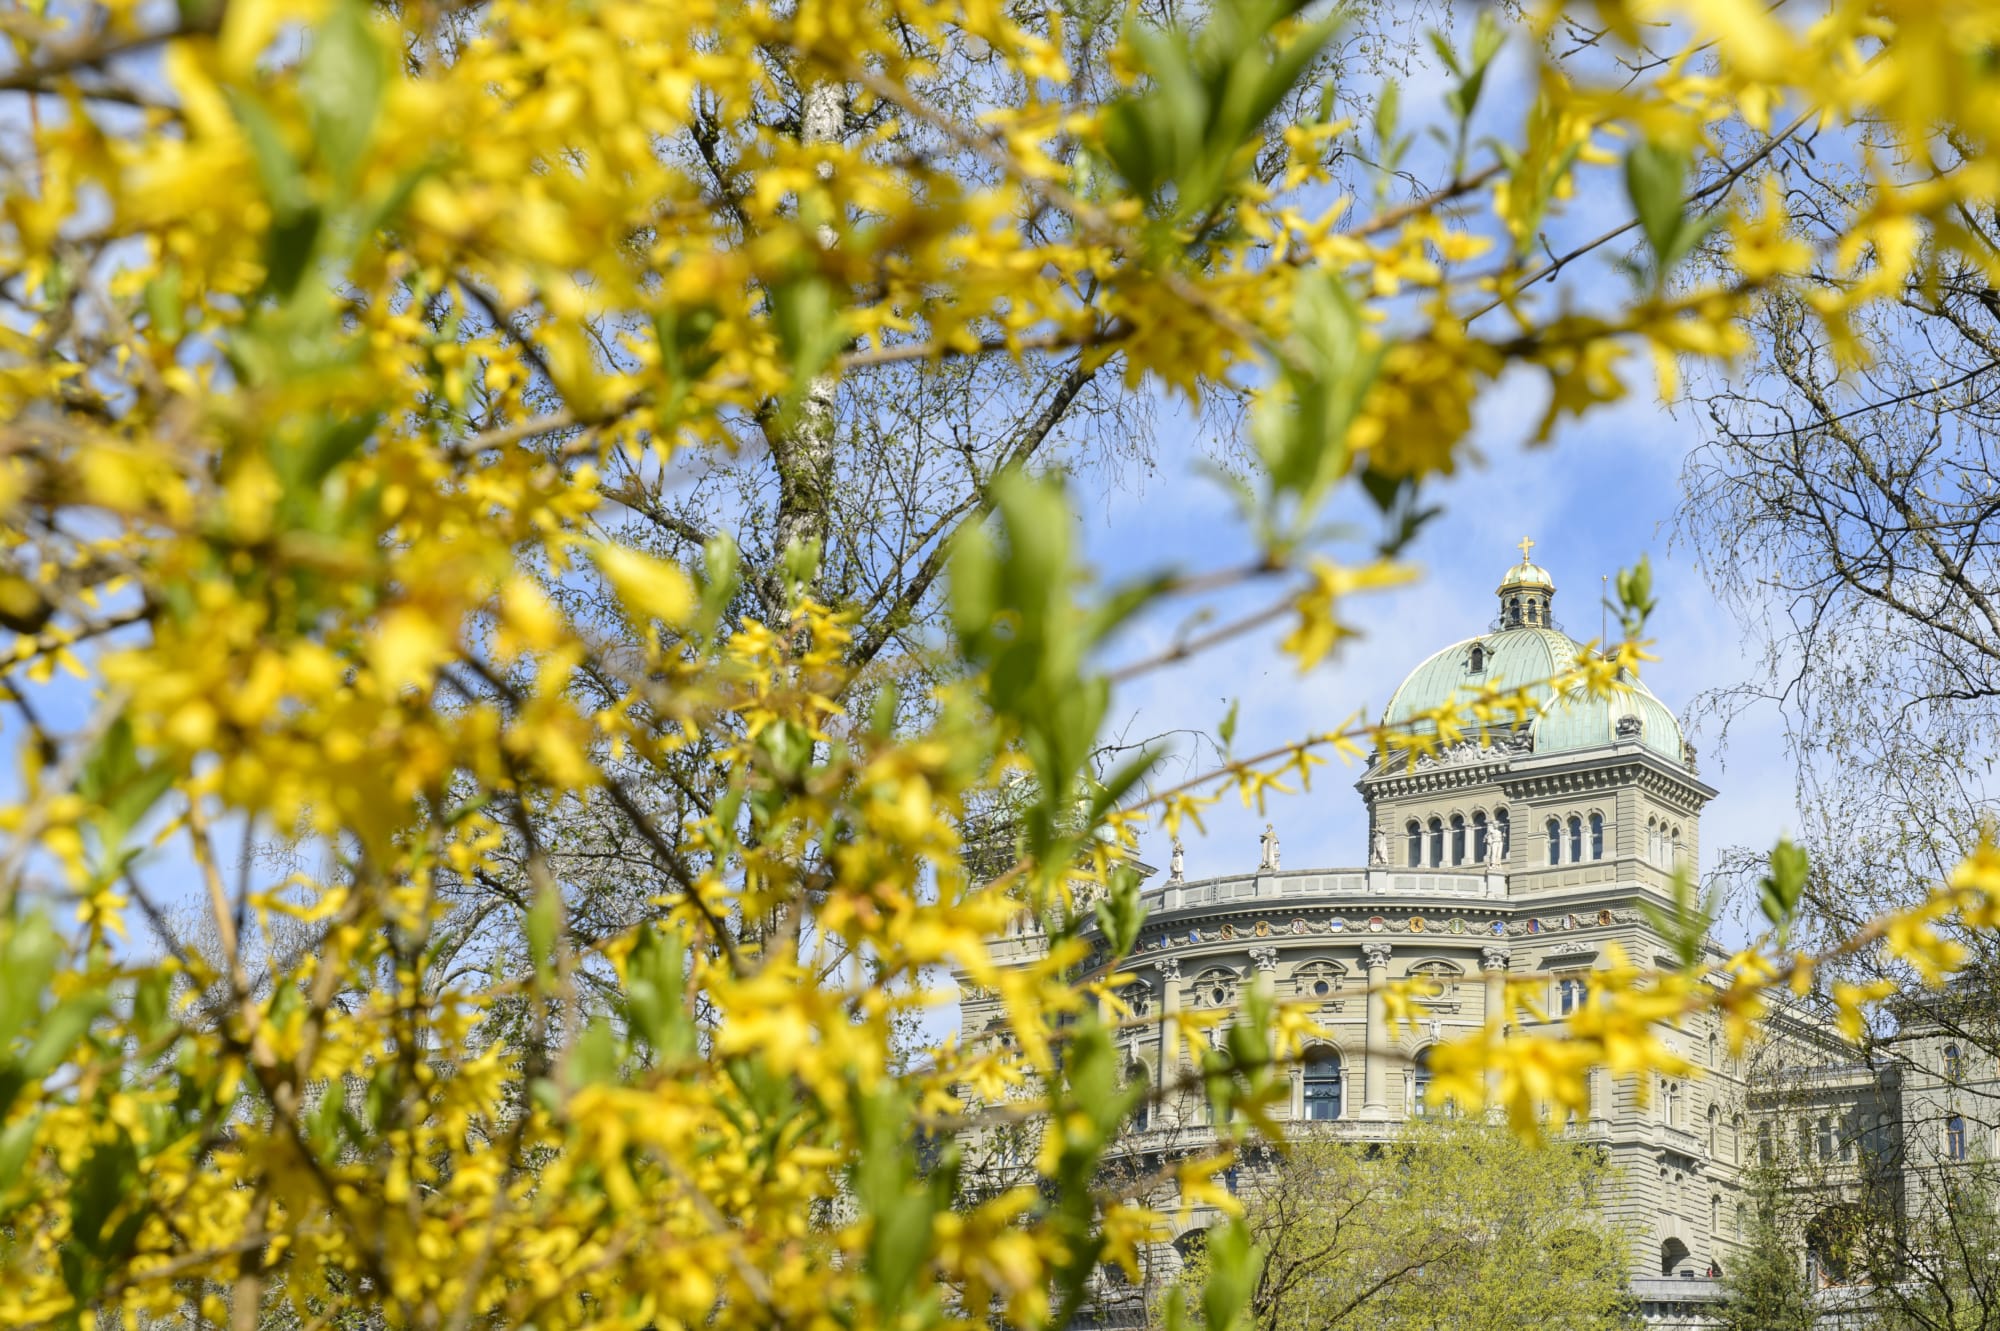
(1437, 842)
(1478, 660)
(1420, 1082)
(1502, 829)
(1555, 842)
(1479, 837)
(1322, 1083)
(1575, 839)
(1954, 1063)
(1458, 838)
(1416, 835)
(1597, 836)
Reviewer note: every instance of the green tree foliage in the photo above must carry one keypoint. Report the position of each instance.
(1766, 1288)
(1455, 1225)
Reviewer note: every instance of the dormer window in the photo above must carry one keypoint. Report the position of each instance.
(1514, 611)
(1478, 662)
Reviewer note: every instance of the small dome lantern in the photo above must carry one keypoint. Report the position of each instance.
(1527, 594)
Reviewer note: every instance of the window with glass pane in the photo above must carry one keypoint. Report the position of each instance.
(1322, 1086)
(1597, 836)
(1479, 837)
(1555, 842)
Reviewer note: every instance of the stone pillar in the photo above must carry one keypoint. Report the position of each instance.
(1493, 962)
(1375, 1059)
(1170, 1003)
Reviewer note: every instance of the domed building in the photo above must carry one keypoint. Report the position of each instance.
(1526, 855)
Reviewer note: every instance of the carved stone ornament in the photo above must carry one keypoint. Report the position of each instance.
(1495, 958)
(1628, 727)
(1264, 958)
(1375, 954)
(1170, 969)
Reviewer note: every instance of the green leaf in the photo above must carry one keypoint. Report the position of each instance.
(62, 1028)
(1781, 889)
(15, 1142)
(543, 920)
(1234, 1262)
(594, 1059)
(163, 301)
(344, 78)
(655, 997)
(1654, 175)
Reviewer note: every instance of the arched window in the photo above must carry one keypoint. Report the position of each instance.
(1953, 1063)
(1318, 980)
(1805, 1139)
(1416, 833)
(1714, 1132)
(1442, 978)
(1458, 838)
(1575, 839)
(1569, 995)
(1555, 842)
(1214, 988)
(1479, 842)
(1652, 842)
(1504, 831)
(1514, 610)
(1825, 1137)
(1534, 611)
(1478, 659)
(1673, 1104)
(1677, 852)
(1714, 1214)
(1712, 1051)
(1736, 1139)
(1420, 1082)
(1954, 1138)
(1597, 836)
(1437, 842)
(1765, 1154)
(1322, 1085)
(1137, 1075)
(1138, 997)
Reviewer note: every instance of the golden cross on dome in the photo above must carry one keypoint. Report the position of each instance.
(1526, 545)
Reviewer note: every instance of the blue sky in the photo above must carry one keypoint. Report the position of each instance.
(1600, 494)
(1595, 499)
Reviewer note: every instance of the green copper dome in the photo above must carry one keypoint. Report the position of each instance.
(1526, 654)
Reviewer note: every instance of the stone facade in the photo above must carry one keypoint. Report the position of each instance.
(1512, 857)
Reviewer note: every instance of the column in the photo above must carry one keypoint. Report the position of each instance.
(1170, 1003)
(1493, 962)
(1375, 1058)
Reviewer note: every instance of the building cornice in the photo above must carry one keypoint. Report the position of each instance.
(1527, 776)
